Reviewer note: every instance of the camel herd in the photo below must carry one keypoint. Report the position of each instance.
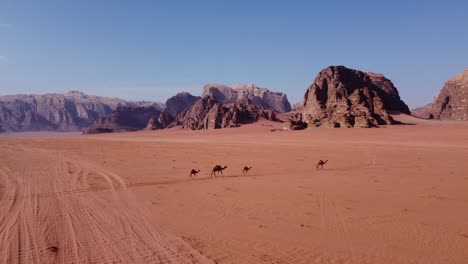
(219, 169)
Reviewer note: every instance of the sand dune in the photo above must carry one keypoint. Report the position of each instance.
(387, 195)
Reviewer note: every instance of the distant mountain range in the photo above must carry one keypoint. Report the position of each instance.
(72, 111)
(220, 106)
(338, 97)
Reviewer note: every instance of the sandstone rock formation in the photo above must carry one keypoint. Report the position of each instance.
(299, 106)
(174, 106)
(259, 96)
(71, 111)
(342, 97)
(208, 113)
(179, 103)
(423, 111)
(452, 101)
(123, 119)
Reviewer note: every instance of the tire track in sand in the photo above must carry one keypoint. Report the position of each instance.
(71, 226)
(333, 219)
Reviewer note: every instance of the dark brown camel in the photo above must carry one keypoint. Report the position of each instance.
(193, 173)
(246, 170)
(216, 169)
(320, 164)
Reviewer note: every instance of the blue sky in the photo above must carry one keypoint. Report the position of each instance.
(153, 49)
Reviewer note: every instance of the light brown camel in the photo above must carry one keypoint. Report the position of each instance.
(216, 169)
(246, 170)
(193, 173)
(320, 164)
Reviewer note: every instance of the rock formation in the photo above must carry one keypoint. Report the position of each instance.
(423, 111)
(179, 103)
(208, 113)
(342, 97)
(452, 101)
(259, 96)
(123, 119)
(71, 111)
(174, 106)
(299, 106)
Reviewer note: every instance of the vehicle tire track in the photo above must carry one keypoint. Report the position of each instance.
(60, 209)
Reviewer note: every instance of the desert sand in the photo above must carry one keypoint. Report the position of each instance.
(388, 195)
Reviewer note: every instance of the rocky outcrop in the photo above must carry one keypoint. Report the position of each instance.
(71, 111)
(174, 106)
(179, 103)
(208, 113)
(299, 106)
(160, 121)
(342, 97)
(123, 119)
(259, 96)
(452, 101)
(423, 111)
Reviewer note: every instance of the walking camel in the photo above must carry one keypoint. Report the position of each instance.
(246, 170)
(216, 169)
(193, 173)
(320, 164)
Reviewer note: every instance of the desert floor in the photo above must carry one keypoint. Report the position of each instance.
(386, 195)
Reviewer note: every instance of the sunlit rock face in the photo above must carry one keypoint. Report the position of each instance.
(342, 97)
(452, 101)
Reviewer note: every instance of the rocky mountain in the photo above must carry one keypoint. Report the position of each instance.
(208, 113)
(174, 106)
(72, 111)
(259, 96)
(179, 103)
(123, 119)
(452, 101)
(423, 111)
(342, 97)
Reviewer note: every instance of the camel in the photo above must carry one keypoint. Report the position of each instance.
(216, 169)
(320, 163)
(246, 170)
(193, 173)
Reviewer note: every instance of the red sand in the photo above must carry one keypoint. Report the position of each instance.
(387, 195)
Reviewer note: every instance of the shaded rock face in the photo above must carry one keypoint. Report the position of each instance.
(123, 119)
(342, 97)
(160, 121)
(174, 107)
(71, 111)
(452, 101)
(179, 103)
(295, 122)
(423, 111)
(208, 113)
(259, 96)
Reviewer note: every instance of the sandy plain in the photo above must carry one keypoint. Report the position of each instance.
(388, 195)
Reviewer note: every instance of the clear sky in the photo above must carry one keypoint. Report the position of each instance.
(153, 49)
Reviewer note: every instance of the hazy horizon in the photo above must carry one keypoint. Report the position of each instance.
(151, 50)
